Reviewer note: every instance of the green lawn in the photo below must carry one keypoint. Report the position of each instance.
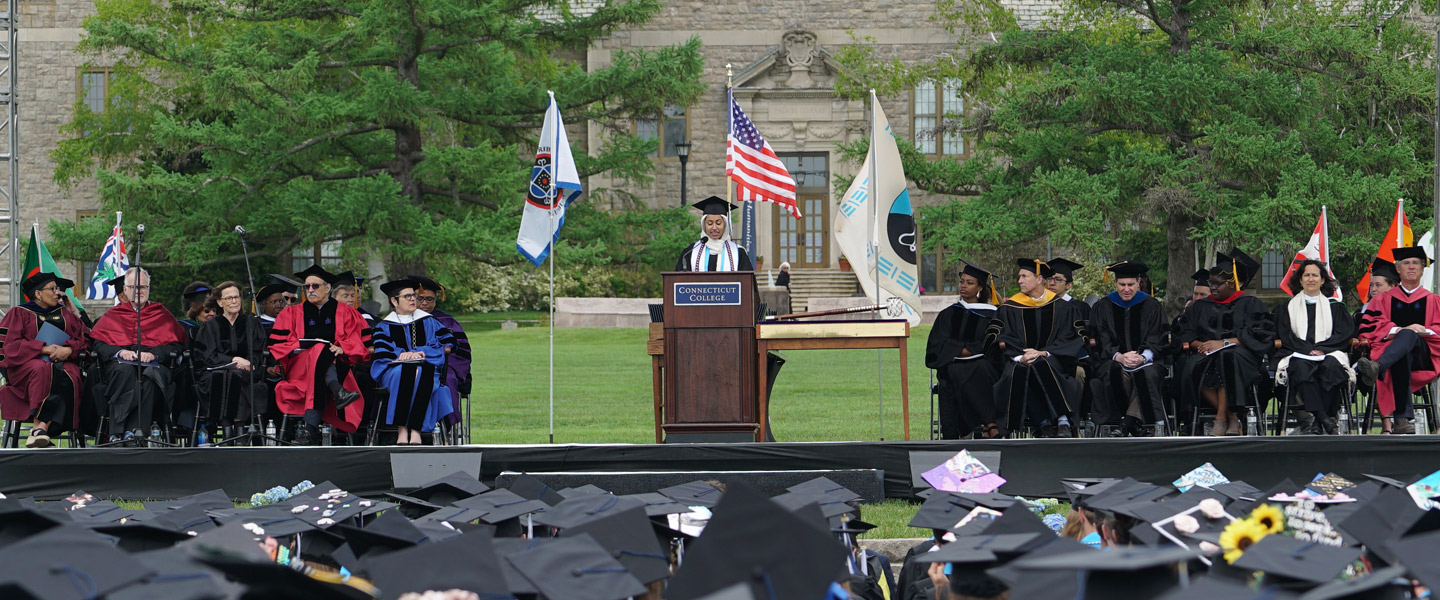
(603, 392)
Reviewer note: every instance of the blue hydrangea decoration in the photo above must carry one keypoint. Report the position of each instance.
(1055, 522)
(279, 493)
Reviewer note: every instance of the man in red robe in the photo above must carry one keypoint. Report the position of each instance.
(1401, 325)
(318, 342)
(136, 374)
(43, 378)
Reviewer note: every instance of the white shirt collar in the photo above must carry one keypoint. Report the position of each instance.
(1066, 297)
(1409, 291)
(395, 317)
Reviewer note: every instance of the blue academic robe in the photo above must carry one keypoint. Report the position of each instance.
(418, 396)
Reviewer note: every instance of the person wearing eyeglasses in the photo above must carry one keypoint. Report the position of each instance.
(428, 296)
(228, 348)
(126, 364)
(410, 350)
(319, 343)
(43, 379)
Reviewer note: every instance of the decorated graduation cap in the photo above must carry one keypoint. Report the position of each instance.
(1411, 252)
(1066, 267)
(39, 280)
(393, 288)
(316, 271)
(1131, 269)
(1384, 268)
(714, 205)
(1035, 265)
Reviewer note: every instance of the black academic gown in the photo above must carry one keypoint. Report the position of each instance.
(1119, 329)
(216, 344)
(685, 262)
(1044, 387)
(1244, 318)
(1318, 384)
(967, 365)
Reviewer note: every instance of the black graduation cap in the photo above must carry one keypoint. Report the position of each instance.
(1066, 267)
(576, 568)
(844, 524)
(1211, 588)
(1381, 520)
(1201, 277)
(528, 486)
(963, 549)
(1017, 519)
(1387, 480)
(582, 509)
(980, 275)
(940, 511)
(393, 288)
(1035, 265)
(273, 581)
(1131, 269)
(1310, 562)
(1384, 268)
(1417, 552)
(176, 577)
(826, 486)
(466, 562)
(386, 533)
(142, 536)
(187, 519)
(1377, 585)
(345, 278)
(427, 283)
(39, 280)
(271, 290)
(316, 271)
(452, 515)
(657, 505)
(276, 525)
(502, 505)
(233, 540)
(714, 205)
(1242, 267)
(100, 513)
(216, 498)
(629, 539)
(588, 489)
(1238, 490)
(18, 521)
(506, 547)
(830, 506)
(195, 291)
(437, 531)
(285, 280)
(753, 540)
(695, 493)
(1042, 584)
(1411, 252)
(1131, 573)
(449, 489)
(69, 562)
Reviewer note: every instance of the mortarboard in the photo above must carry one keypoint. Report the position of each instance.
(285, 280)
(1035, 265)
(1017, 519)
(1201, 277)
(980, 275)
(1411, 252)
(1066, 267)
(449, 489)
(18, 521)
(69, 562)
(940, 511)
(975, 545)
(39, 280)
(502, 505)
(1311, 562)
(1377, 585)
(233, 540)
(528, 486)
(1241, 267)
(846, 525)
(627, 537)
(1417, 553)
(830, 506)
(271, 290)
(659, 504)
(826, 486)
(755, 541)
(316, 271)
(588, 489)
(386, 533)
(393, 288)
(1132, 573)
(575, 511)
(714, 205)
(437, 531)
(466, 562)
(1130, 269)
(195, 291)
(1385, 518)
(273, 581)
(1042, 584)
(1389, 481)
(1211, 588)
(176, 577)
(345, 278)
(506, 547)
(695, 493)
(142, 536)
(430, 285)
(216, 498)
(1384, 268)
(576, 568)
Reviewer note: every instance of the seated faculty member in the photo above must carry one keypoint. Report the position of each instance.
(1401, 326)
(1038, 330)
(965, 364)
(409, 361)
(1314, 331)
(318, 342)
(1228, 333)
(127, 365)
(1129, 327)
(42, 377)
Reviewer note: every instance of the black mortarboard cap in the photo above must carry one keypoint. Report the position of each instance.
(437, 531)
(582, 509)
(1017, 519)
(940, 511)
(629, 539)
(39, 280)
(1130, 268)
(1417, 553)
(852, 526)
(1042, 584)
(100, 513)
(393, 288)
(386, 533)
(426, 283)
(1066, 267)
(1387, 480)
(980, 275)
(176, 577)
(273, 581)
(1376, 524)
(69, 562)
(827, 487)
(829, 506)
(286, 280)
(195, 291)
(1131, 573)
(1201, 277)
(529, 486)
(1245, 267)
(1238, 490)
(659, 504)
(466, 562)
(506, 547)
(753, 540)
(695, 493)
(216, 498)
(1213, 588)
(18, 521)
(345, 278)
(576, 568)
(969, 547)
(142, 536)
(1384, 268)
(414, 507)
(450, 488)
(1376, 585)
(1311, 562)
(714, 205)
(588, 489)
(1035, 265)
(502, 504)
(453, 514)
(316, 271)
(271, 290)
(233, 540)
(187, 519)
(1411, 252)
(1244, 504)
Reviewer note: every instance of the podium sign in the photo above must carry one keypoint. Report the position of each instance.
(710, 377)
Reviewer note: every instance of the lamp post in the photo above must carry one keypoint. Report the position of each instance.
(682, 150)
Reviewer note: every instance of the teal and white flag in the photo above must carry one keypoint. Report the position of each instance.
(554, 183)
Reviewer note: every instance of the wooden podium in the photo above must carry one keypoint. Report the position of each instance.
(709, 337)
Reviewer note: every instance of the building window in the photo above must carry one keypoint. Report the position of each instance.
(1272, 269)
(936, 277)
(325, 254)
(94, 88)
(937, 117)
(670, 129)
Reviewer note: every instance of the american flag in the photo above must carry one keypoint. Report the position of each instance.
(751, 163)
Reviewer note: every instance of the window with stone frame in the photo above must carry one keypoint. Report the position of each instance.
(670, 128)
(936, 117)
(95, 88)
(326, 254)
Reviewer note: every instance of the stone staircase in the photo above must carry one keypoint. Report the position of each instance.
(816, 283)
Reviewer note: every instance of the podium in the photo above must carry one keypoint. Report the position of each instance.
(709, 357)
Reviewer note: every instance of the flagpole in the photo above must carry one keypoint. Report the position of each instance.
(552, 192)
(729, 127)
(875, 257)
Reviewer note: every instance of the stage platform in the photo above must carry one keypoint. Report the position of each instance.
(1032, 467)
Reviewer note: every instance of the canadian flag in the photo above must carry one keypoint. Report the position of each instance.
(1318, 248)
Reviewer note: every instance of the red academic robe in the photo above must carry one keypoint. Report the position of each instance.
(304, 373)
(29, 376)
(1380, 317)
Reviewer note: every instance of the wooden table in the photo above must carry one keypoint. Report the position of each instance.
(829, 335)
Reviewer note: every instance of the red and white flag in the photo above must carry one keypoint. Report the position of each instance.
(750, 162)
(1318, 248)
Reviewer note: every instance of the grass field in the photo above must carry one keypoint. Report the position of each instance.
(603, 393)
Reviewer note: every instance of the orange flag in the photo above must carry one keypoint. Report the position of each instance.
(1398, 236)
